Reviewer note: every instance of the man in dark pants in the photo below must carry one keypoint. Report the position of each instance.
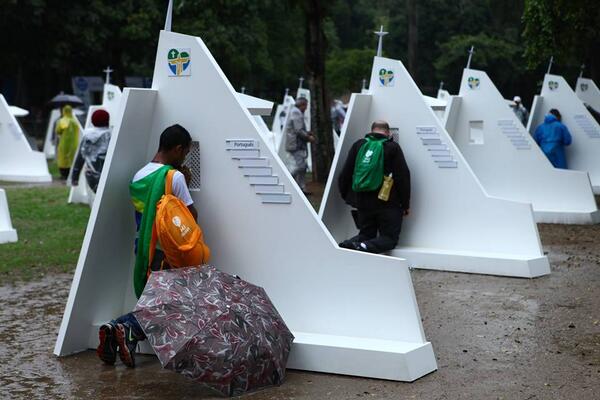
(379, 222)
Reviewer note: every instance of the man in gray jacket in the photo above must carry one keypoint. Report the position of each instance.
(296, 139)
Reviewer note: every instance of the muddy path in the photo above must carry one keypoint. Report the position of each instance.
(494, 337)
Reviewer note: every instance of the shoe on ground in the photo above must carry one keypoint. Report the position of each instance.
(127, 344)
(107, 349)
(348, 244)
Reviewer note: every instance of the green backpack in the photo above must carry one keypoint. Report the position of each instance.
(368, 168)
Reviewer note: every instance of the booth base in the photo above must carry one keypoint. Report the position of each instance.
(26, 178)
(475, 263)
(8, 236)
(596, 189)
(369, 358)
(570, 218)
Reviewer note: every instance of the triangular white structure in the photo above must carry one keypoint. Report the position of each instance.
(279, 119)
(18, 162)
(7, 233)
(351, 313)
(454, 225)
(583, 153)
(507, 161)
(588, 92)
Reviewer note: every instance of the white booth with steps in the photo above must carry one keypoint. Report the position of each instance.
(7, 233)
(454, 225)
(351, 313)
(507, 161)
(582, 154)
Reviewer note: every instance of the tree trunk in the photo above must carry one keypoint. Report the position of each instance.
(411, 12)
(314, 59)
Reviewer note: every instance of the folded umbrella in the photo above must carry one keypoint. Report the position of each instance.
(214, 328)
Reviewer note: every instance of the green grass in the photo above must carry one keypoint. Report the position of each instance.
(50, 232)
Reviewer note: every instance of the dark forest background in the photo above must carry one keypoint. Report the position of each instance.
(265, 45)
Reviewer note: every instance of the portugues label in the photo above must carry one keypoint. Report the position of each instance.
(179, 62)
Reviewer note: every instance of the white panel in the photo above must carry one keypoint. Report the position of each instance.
(588, 92)
(7, 232)
(18, 162)
(476, 132)
(509, 164)
(451, 214)
(253, 240)
(582, 154)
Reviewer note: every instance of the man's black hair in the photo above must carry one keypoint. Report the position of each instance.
(174, 136)
(556, 113)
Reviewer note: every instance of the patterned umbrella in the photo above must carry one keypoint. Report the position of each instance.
(214, 328)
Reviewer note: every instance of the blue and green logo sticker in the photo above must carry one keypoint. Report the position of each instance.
(584, 87)
(179, 62)
(473, 82)
(553, 85)
(386, 77)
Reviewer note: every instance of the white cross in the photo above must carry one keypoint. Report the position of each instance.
(381, 34)
(550, 64)
(364, 86)
(301, 79)
(169, 18)
(441, 85)
(108, 71)
(581, 72)
(243, 90)
(471, 52)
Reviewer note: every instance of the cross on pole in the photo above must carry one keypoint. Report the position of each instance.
(169, 18)
(550, 64)
(471, 52)
(381, 34)
(287, 91)
(441, 85)
(364, 84)
(108, 72)
(301, 79)
(243, 90)
(581, 70)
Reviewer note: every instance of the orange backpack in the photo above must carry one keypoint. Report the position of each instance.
(179, 235)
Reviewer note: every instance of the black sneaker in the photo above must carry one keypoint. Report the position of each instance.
(127, 344)
(107, 349)
(348, 244)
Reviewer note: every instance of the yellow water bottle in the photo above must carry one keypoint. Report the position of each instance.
(386, 188)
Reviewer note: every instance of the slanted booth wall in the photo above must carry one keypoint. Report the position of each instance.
(507, 160)
(582, 154)
(588, 92)
(453, 225)
(351, 313)
(18, 162)
(7, 232)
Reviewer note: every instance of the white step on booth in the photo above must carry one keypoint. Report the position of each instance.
(7, 233)
(508, 162)
(454, 225)
(351, 313)
(18, 161)
(588, 92)
(583, 153)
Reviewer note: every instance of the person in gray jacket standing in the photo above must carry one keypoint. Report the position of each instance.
(296, 139)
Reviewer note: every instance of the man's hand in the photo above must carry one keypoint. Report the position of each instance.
(406, 212)
(312, 138)
(187, 173)
(74, 182)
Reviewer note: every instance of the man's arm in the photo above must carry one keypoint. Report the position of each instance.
(193, 212)
(401, 176)
(77, 168)
(299, 128)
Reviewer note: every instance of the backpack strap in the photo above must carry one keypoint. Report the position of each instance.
(154, 238)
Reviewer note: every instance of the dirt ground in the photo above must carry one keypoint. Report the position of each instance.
(494, 338)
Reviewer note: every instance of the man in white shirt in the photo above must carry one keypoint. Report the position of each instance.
(147, 187)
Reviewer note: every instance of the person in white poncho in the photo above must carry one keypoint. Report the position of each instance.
(92, 151)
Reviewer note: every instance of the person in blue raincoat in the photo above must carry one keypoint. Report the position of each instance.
(552, 136)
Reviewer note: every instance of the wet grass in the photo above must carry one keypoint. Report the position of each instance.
(50, 232)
